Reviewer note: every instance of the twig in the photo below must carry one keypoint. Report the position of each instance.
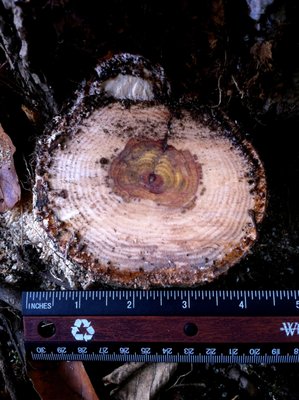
(219, 91)
(176, 383)
(241, 92)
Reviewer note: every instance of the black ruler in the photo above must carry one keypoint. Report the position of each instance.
(223, 326)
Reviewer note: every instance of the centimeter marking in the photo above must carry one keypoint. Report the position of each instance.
(265, 359)
(261, 353)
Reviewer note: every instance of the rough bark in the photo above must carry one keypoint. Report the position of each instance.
(15, 42)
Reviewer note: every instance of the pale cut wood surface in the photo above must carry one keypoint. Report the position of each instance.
(130, 236)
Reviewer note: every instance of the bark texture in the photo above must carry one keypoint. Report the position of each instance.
(15, 40)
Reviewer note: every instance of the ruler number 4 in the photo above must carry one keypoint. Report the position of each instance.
(242, 304)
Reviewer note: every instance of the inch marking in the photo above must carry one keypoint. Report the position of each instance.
(161, 299)
(216, 302)
(79, 299)
(245, 300)
(188, 300)
(274, 300)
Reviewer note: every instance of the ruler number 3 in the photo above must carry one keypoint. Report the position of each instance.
(185, 304)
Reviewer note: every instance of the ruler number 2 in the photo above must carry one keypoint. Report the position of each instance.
(129, 304)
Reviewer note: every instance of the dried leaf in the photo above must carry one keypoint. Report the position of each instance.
(121, 374)
(62, 380)
(143, 384)
(10, 191)
(262, 53)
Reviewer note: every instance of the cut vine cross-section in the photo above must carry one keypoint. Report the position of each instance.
(129, 208)
(148, 169)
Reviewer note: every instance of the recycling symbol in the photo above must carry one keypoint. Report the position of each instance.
(82, 330)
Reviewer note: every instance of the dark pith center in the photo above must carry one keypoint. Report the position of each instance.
(152, 177)
(152, 182)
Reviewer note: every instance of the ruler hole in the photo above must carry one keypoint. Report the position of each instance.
(190, 329)
(46, 329)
